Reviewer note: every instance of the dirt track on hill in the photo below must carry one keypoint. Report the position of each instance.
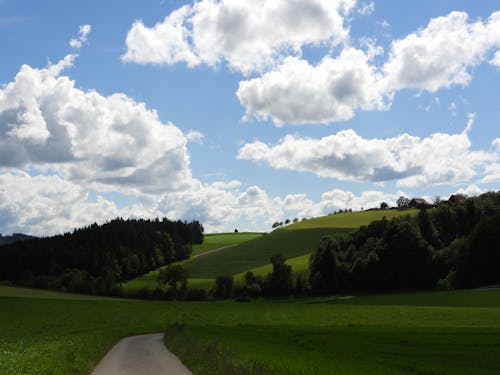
(212, 251)
(141, 355)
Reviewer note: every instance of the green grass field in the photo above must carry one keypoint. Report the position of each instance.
(296, 242)
(415, 333)
(211, 242)
(300, 265)
(216, 240)
(349, 219)
(292, 241)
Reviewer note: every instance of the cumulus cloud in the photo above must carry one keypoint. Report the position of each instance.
(441, 54)
(438, 56)
(412, 161)
(492, 173)
(470, 191)
(83, 33)
(248, 35)
(217, 208)
(297, 92)
(496, 59)
(84, 142)
(496, 144)
(366, 9)
(492, 170)
(42, 205)
(48, 123)
(293, 90)
(195, 136)
(336, 199)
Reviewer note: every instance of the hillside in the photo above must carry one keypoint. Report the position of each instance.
(295, 241)
(214, 241)
(292, 241)
(348, 219)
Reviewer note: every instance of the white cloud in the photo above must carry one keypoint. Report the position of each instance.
(293, 90)
(233, 184)
(366, 9)
(219, 208)
(107, 141)
(43, 205)
(496, 144)
(492, 173)
(219, 205)
(453, 108)
(411, 161)
(435, 57)
(384, 24)
(496, 59)
(82, 37)
(195, 136)
(336, 199)
(470, 191)
(249, 35)
(441, 54)
(297, 92)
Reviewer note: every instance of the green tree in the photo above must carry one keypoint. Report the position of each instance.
(279, 281)
(175, 276)
(223, 287)
(403, 202)
(322, 266)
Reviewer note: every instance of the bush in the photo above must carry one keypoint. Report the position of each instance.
(254, 290)
(196, 294)
(223, 287)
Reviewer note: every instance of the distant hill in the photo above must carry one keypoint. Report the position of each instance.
(5, 240)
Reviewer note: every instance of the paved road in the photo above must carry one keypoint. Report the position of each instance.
(141, 355)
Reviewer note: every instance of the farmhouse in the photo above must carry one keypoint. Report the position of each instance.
(419, 203)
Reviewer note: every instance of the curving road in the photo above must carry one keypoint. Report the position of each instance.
(141, 355)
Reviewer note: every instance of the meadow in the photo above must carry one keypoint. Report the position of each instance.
(455, 332)
(214, 241)
(252, 251)
(211, 242)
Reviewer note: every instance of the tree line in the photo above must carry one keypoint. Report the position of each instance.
(97, 258)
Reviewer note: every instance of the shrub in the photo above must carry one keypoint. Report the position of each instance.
(196, 294)
(223, 287)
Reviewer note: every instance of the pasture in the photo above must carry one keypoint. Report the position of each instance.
(412, 333)
(214, 241)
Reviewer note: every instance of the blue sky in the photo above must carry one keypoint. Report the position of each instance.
(241, 113)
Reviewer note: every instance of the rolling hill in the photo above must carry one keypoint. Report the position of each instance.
(295, 241)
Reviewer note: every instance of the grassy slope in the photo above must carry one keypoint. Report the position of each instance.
(295, 242)
(211, 242)
(300, 265)
(349, 219)
(216, 240)
(418, 333)
(292, 241)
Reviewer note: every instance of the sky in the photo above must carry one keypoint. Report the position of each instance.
(240, 113)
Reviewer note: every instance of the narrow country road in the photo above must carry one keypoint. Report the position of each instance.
(140, 355)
